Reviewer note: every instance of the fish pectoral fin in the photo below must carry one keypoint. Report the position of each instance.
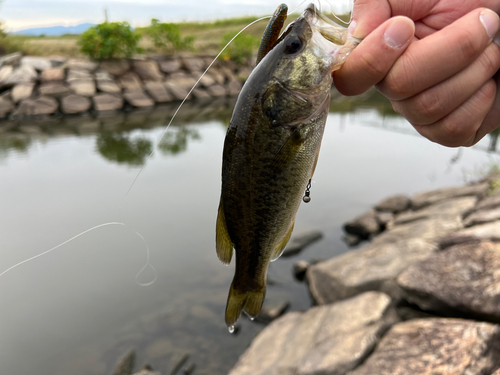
(248, 301)
(288, 151)
(223, 242)
(278, 250)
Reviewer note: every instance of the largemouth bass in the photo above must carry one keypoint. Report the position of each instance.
(271, 149)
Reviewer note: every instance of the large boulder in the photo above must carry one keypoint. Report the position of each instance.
(37, 63)
(10, 76)
(193, 64)
(482, 216)
(75, 104)
(395, 204)
(178, 92)
(107, 102)
(12, 59)
(52, 74)
(148, 70)
(435, 346)
(44, 105)
(138, 99)
(462, 280)
(158, 92)
(115, 67)
(82, 64)
(55, 89)
(364, 225)
(22, 91)
(76, 75)
(6, 107)
(170, 65)
(108, 85)
(84, 87)
(329, 339)
(130, 81)
(427, 198)
(477, 233)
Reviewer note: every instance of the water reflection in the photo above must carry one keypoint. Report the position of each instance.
(121, 148)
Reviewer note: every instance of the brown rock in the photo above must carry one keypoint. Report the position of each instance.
(82, 64)
(488, 202)
(130, 82)
(206, 80)
(193, 64)
(477, 233)
(78, 75)
(84, 87)
(181, 79)
(22, 91)
(42, 106)
(115, 67)
(52, 74)
(138, 99)
(435, 346)
(171, 65)
(6, 107)
(299, 242)
(75, 104)
(37, 63)
(109, 86)
(394, 204)
(429, 197)
(158, 92)
(364, 225)
(10, 77)
(107, 102)
(482, 216)
(464, 279)
(200, 93)
(12, 59)
(55, 89)
(148, 70)
(234, 87)
(217, 90)
(178, 92)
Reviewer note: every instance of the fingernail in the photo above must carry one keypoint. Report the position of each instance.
(399, 32)
(489, 19)
(352, 27)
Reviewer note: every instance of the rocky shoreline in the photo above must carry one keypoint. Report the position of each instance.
(37, 86)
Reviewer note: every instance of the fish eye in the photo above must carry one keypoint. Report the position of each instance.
(293, 45)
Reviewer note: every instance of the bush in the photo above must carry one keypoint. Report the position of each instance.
(167, 37)
(109, 40)
(241, 49)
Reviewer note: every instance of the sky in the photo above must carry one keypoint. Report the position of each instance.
(22, 14)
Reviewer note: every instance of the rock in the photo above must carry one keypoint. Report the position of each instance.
(206, 80)
(103, 75)
(130, 82)
(351, 240)
(125, 365)
(448, 207)
(138, 99)
(234, 87)
(109, 86)
(171, 65)
(52, 74)
(384, 219)
(58, 61)
(298, 243)
(75, 104)
(430, 230)
(193, 64)
(464, 279)
(44, 105)
(427, 198)
(5, 71)
(82, 64)
(75, 75)
(12, 59)
(328, 339)
(147, 372)
(394, 204)
(218, 76)
(217, 90)
(373, 267)
(55, 89)
(488, 202)
(482, 216)
(200, 93)
(436, 346)
(177, 361)
(299, 269)
(158, 92)
(84, 87)
(272, 311)
(24, 73)
(178, 92)
(242, 74)
(36, 63)
(477, 233)
(364, 225)
(189, 370)
(148, 70)
(182, 80)
(107, 102)
(22, 91)
(6, 107)
(115, 67)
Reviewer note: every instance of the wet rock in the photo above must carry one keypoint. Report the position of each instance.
(373, 267)
(394, 204)
(234, 87)
(364, 225)
(22, 91)
(148, 70)
(329, 339)
(464, 279)
(178, 92)
(75, 104)
(299, 242)
(158, 92)
(36, 63)
(193, 64)
(82, 64)
(477, 233)
(138, 99)
(84, 87)
(107, 102)
(42, 106)
(482, 216)
(6, 107)
(299, 269)
(217, 90)
(427, 198)
(271, 311)
(52, 74)
(125, 365)
(130, 82)
(430, 230)
(78, 75)
(24, 73)
(448, 207)
(171, 65)
(109, 86)
(115, 67)
(12, 59)
(435, 346)
(55, 89)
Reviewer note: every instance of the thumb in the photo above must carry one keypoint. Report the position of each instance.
(367, 15)
(370, 62)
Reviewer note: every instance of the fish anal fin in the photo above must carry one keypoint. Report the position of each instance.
(278, 250)
(248, 301)
(223, 242)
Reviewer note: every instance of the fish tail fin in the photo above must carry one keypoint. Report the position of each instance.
(248, 301)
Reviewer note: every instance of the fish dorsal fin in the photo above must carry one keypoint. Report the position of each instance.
(224, 245)
(278, 250)
(272, 32)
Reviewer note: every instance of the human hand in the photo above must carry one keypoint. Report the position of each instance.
(438, 72)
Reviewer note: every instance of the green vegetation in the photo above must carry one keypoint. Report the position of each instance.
(167, 38)
(241, 49)
(109, 40)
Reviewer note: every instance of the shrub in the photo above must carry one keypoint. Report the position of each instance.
(109, 40)
(241, 49)
(167, 37)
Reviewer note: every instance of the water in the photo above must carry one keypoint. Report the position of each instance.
(80, 307)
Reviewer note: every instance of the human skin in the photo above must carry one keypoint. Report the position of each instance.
(437, 61)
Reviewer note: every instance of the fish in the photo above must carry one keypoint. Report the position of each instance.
(272, 146)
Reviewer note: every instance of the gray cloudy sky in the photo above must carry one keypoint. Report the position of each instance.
(21, 14)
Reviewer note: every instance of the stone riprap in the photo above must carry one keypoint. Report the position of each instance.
(28, 81)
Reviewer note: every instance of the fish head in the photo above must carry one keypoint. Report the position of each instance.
(300, 67)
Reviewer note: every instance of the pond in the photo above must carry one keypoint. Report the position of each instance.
(77, 309)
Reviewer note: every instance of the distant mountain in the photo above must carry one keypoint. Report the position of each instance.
(55, 30)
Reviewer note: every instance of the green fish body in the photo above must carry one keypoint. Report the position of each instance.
(271, 150)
